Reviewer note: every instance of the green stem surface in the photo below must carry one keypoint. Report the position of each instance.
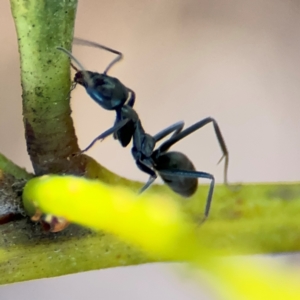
(10, 168)
(260, 218)
(42, 26)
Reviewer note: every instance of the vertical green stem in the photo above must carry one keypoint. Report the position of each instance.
(43, 25)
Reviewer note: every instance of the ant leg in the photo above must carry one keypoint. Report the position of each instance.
(143, 167)
(106, 133)
(177, 127)
(148, 183)
(195, 174)
(176, 138)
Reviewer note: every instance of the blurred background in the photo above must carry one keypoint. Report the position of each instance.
(236, 61)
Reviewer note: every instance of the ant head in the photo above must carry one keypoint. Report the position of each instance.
(107, 91)
(79, 77)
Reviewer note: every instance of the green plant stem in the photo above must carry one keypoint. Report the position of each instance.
(254, 219)
(12, 180)
(33, 254)
(8, 167)
(42, 26)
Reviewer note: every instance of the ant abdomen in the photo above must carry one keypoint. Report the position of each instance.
(182, 185)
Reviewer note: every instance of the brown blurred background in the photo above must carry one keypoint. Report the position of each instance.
(237, 61)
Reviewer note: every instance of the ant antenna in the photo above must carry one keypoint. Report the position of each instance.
(72, 57)
(92, 44)
(76, 69)
(73, 67)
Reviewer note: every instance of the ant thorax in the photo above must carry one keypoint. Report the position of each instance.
(148, 145)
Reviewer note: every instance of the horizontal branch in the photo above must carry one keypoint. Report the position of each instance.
(253, 219)
(28, 253)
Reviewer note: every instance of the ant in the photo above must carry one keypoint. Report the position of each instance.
(175, 168)
(107, 91)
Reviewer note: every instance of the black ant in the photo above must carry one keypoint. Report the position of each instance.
(175, 168)
(107, 91)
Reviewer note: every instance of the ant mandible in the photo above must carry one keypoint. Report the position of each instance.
(175, 168)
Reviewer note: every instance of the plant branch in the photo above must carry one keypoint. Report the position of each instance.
(10, 168)
(26, 252)
(43, 25)
(255, 219)
(12, 181)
